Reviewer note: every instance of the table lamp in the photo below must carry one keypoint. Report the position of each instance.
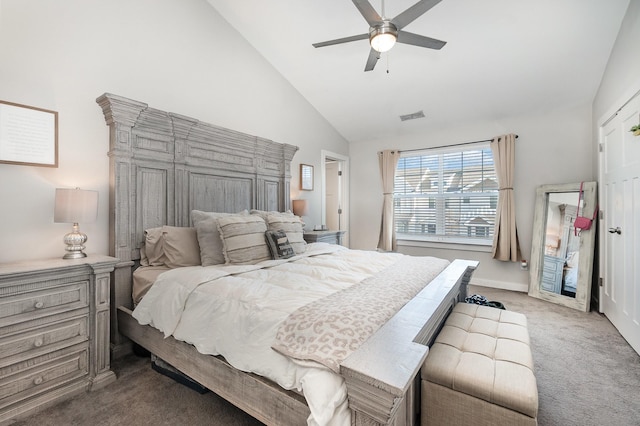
(300, 207)
(75, 206)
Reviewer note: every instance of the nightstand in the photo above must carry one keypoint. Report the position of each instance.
(331, 237)
(54, 331)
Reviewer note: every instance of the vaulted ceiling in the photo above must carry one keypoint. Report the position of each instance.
(502, 58)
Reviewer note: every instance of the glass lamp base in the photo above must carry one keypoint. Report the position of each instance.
(75, 255)
(75, 244)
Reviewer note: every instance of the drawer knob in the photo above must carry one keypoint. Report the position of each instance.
(38, 342)
(38, 380)
(39, 305)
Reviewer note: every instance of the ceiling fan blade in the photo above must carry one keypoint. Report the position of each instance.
(420, 41)
(368, 12)
(371, 60)
(342, 40)
(413, 13)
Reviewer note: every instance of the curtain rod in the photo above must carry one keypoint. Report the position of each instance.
(447, 146)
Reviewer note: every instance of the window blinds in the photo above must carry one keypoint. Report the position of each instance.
(446, 194)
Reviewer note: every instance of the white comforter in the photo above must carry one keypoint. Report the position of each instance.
(235, 311)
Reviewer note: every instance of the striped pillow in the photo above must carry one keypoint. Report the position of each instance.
(206, 224)
(243, 239)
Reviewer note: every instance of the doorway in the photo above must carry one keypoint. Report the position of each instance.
(335, 192)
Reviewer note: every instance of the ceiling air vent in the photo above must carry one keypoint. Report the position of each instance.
(413, 116)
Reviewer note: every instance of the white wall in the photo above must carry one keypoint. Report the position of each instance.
(553, 147)
(622, 75)
(177, 56)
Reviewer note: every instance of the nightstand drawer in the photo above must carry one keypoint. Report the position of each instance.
(42, 374)
(31, 304)
(32, 339)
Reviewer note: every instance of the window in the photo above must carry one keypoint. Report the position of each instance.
(446, 195)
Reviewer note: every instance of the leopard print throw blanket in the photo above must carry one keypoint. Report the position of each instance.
(330, 329)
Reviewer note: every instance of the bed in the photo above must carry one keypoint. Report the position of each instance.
(164, 166)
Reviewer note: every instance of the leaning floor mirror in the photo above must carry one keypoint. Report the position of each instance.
(561, 256)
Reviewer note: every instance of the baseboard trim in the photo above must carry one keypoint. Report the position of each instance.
(502, 285)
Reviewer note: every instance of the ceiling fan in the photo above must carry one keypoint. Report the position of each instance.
(384, 33)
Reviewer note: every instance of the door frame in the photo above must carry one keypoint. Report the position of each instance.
(344, 190)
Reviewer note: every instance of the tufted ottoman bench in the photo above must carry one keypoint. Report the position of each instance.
(479, 371)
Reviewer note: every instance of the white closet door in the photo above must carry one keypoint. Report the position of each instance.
(620, 225)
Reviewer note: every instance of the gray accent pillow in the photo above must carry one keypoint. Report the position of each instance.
(292, 225)
(264, 213)
(206, 224)
(279, 244)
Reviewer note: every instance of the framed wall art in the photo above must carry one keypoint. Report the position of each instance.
(28, 135)
(306, 177)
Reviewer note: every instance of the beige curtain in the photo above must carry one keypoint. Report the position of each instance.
(388, 161)
(505, 236)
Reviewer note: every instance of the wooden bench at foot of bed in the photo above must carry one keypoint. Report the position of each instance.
(479, 371)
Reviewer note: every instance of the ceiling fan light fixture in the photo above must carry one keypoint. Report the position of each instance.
(383, 37)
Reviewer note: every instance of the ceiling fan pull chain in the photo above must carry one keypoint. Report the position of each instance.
(387, 55)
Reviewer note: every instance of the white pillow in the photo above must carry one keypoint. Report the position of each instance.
(243, 239)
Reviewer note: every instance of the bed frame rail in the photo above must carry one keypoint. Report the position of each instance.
(253, 394)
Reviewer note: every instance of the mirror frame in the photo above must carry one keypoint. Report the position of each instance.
(586, 250)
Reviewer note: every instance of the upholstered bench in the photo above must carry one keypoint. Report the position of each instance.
(479, 371)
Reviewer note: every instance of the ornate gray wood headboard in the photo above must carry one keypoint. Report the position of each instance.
(163, 165)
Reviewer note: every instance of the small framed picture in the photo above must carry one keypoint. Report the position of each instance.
(28, 135)
(306, 177)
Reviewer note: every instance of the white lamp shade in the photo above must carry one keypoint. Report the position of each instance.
(300, 207)
(75, 206)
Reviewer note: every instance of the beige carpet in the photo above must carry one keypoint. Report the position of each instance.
(587, 375)
(141, 397)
